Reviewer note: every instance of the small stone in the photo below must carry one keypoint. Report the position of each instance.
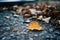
(3, 38)
(12, 35)
(30, 38)
(7, 28)
(35, 35)
(15, 15)
(7, 16)
(27, 20)
(14, 30)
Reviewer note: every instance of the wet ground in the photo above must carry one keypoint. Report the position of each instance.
(7, 25)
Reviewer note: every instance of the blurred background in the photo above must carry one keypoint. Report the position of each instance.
(13, 28)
